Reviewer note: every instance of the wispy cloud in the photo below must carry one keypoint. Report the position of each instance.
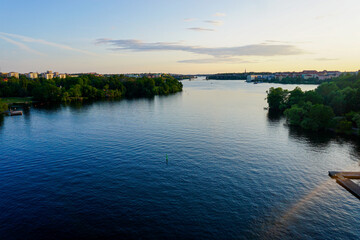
(44, 42)
(286, 42)
(215, 60)
(21, 46)
(326, 59)
(276, 41)
(199, 29)
(321, 17)
(219, 52)
(216, 23)
(219, 14)
(189, 19)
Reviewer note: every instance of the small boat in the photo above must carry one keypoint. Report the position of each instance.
(14, 113)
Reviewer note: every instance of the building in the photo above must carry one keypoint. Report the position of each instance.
(251, 78)
(48, 75)
(61, 75)
(31, 75)
(13, 74)
(307, 74)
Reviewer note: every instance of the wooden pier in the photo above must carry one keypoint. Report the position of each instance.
(343, 178)
(15, 113)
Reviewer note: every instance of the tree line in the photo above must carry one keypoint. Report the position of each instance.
(88, 87)
(333, 105)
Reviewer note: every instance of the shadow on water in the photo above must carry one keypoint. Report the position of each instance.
(316, 139)
(1, 121)
(79, 106)
(47, 107)
(84, 106)
(274, 116)
(323, 138)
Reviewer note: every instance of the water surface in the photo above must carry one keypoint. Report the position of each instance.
(99, 170)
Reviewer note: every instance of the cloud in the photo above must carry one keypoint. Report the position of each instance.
(286, 42)
(189, 19)
(326, 59)
(215, 60)
(275, 41)
(199, 29)
(22, 46)
(219, 52)
(216, 23)
(218, 14)
(321, 17)
(44, 42)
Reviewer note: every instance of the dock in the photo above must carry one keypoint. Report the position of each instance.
(13, 113)
(344, 179)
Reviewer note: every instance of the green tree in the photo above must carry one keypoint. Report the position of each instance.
(295, 115)
(75, 91)
(344, 126)
(47, 92)
(326, 89)
(277, 98)
(313, 97)
(295, 96)
(318, 117)
(3, 106)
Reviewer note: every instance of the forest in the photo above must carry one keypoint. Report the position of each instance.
(333, 105)
(86, 87)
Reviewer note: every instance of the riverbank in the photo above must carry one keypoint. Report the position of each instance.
(17, 100)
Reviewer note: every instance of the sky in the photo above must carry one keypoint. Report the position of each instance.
(173, 36)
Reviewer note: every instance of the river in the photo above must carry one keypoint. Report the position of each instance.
(207, 163)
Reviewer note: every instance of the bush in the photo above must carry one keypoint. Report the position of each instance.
(3, 107)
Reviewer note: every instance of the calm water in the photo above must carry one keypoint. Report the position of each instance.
(99, 171)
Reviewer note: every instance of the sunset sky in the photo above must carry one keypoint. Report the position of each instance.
(197, 36)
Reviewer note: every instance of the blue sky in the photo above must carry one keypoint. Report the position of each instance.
(199, 36)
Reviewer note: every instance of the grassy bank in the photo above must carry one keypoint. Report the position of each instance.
(11, 100)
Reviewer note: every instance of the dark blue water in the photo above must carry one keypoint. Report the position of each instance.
(99, 171)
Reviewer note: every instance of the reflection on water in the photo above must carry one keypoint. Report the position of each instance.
(48, 107)
(1, 121)
(320, 139)
(278, 228)
(317, 139)
(274, 116)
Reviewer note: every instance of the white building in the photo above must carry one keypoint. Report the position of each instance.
(251, 78)
(13, 74)
(61, 75)
(31, 75)
(48, 75)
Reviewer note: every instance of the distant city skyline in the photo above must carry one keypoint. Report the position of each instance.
(187, 37)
